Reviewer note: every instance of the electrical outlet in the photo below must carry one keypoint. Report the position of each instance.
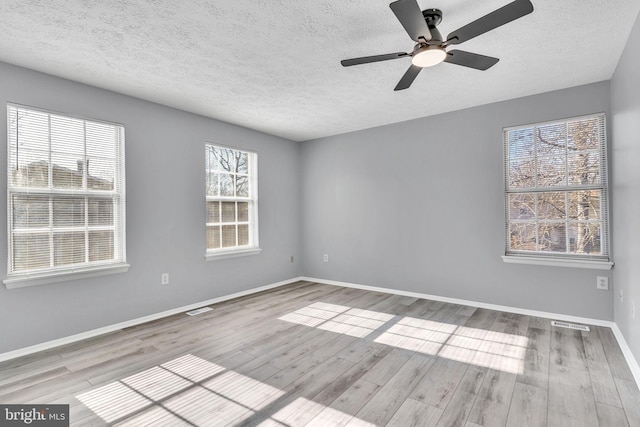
(291, 258)
(165, 278)
(325, 258)
(602, 282)
(621, 295)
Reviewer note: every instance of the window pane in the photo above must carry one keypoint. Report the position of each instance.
(585, 238)
(213, 237)
(552, 206)
(243, 235)
(100, 174)
(522, 174)
(213, 211)
(67, 171)
(552, 237)
(68, 212)
(100, 137)
(584, 205)
(228, 211)
(584, 168)
(226, 184)
(100, 245)
(551, 139)
(68, 248)
(523, 237)
(30, 211)
(551, 171)
(243, 212)
(213, 186)
(242, 162)
(584, 134)
(522, 206)
(30, 251)
(100, 212)
(228, 236)
(521, 143)
(222, 159)
(242, 186)
(67, 135)
(32, 170)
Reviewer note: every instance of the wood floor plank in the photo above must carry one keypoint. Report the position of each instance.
(491, 407)
(437, 388)
(355, 397)
(535, 370)
(457, 411)
(415, 414)
(385, 369)
(611, 416)
(567, 349)
(381, 408)
(528, 407)
(615, 357)
(630, 397)
(571, 401)
(540, 323)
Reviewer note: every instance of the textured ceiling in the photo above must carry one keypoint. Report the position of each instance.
(274, 65)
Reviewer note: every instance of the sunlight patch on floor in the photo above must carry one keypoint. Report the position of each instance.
(193, 391)
(491, 349)
(184, 390)
(341, 319)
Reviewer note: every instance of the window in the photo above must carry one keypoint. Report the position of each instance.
(66, 198)
(232, 202)
(556, 190)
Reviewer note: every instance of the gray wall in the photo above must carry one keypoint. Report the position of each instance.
(419, 206)
(625, 172)
(165, 215)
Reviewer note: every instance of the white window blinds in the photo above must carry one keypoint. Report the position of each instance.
(66, 193)
(556, 189)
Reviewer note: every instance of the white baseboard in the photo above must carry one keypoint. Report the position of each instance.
(633, 363)
(133, 322)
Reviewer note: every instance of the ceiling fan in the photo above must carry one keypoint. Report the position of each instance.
(430, 48)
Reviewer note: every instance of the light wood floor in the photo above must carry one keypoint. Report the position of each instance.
(316, 355)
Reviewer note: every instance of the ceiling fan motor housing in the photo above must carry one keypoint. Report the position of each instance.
(433, 17)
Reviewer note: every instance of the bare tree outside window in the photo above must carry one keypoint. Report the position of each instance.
(556, 188)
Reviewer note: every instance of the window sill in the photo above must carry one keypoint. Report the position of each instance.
(556, 262)
(210, 256)
(63, 276)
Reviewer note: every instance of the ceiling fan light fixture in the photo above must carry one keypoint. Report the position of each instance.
(428, 56)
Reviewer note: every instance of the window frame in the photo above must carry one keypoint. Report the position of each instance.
(253, 247)
(86, 269)
(561, 259)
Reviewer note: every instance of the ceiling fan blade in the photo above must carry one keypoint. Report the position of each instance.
(408, 78)
(410, 16)
(471, 60)
(375, 58)
(495, 19)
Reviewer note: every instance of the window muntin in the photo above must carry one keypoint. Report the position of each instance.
(66, 194)
(556, 189)
(231, 200)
